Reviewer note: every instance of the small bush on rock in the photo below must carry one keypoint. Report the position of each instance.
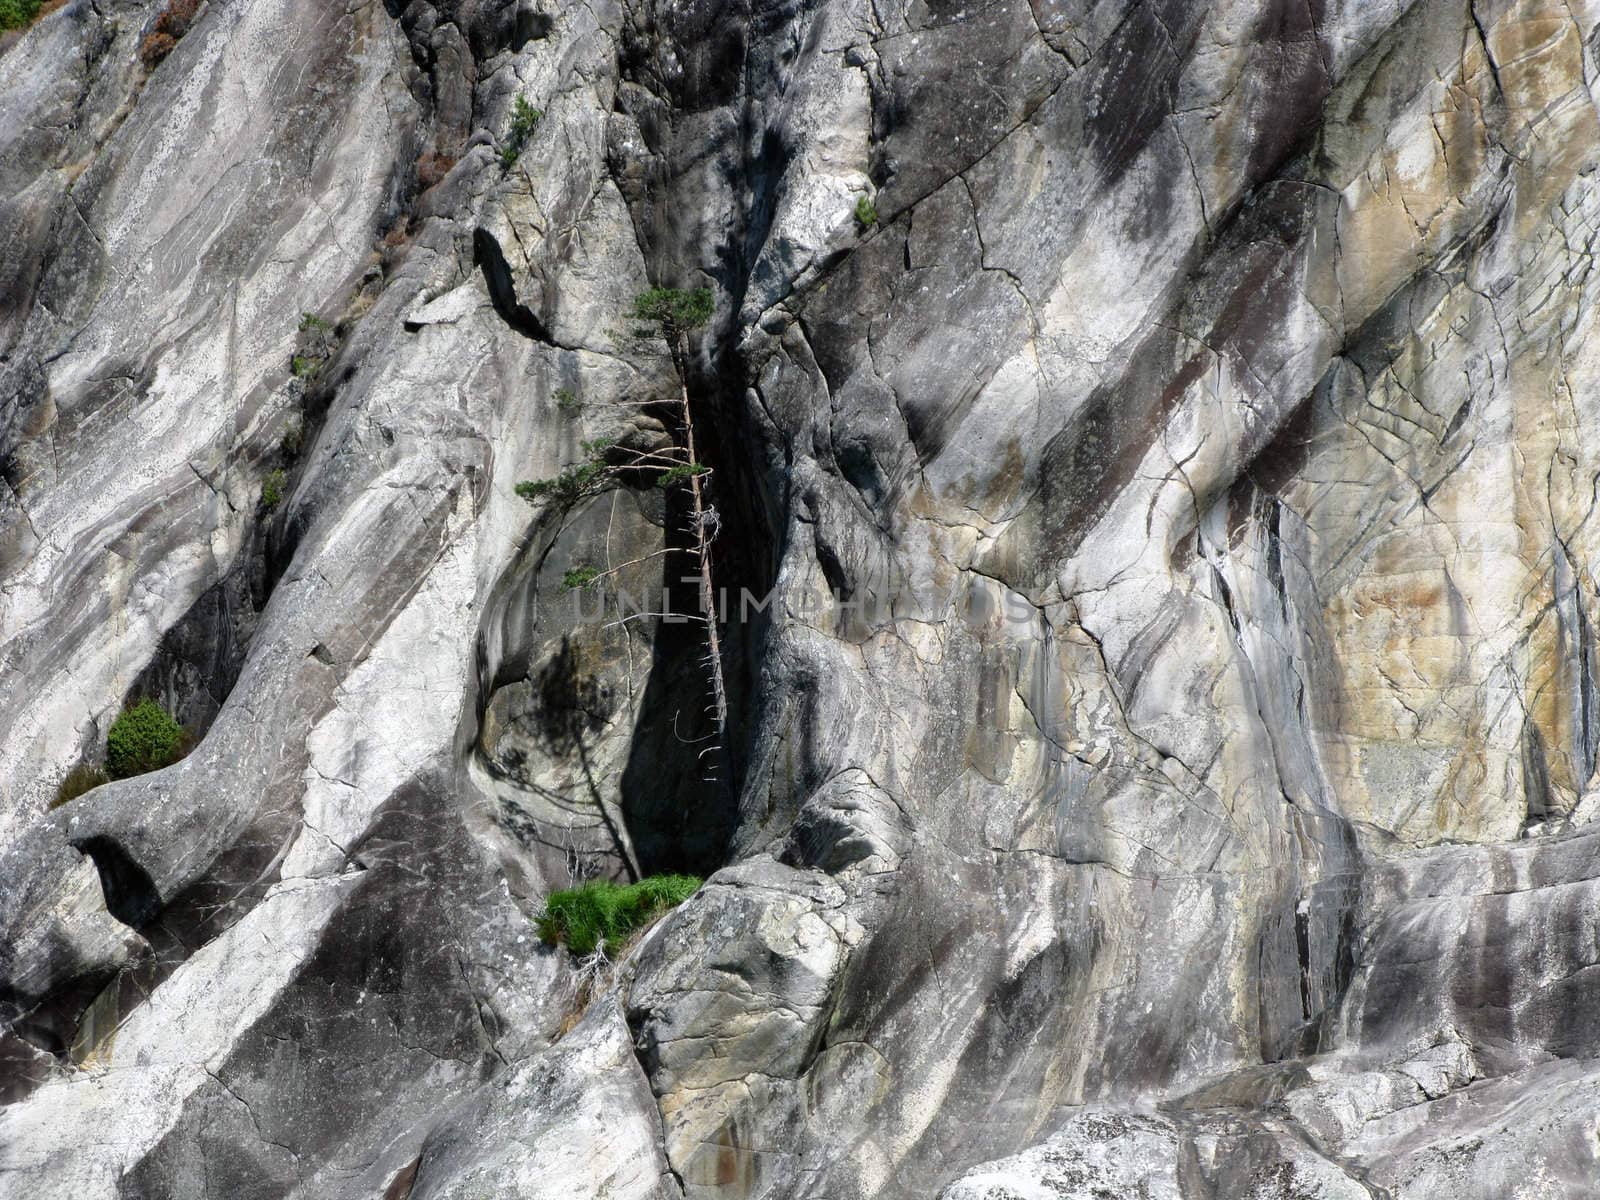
(432, 167)
(316, 339)
(575, 482)
(175, 21)
(601, 915)
(144, 738)
(675, 310)
(82, 778)
(524, 119)
(272, 489)
(681, 472)
(155, 47)
(18, 14)
(866, 213)
(177, 18)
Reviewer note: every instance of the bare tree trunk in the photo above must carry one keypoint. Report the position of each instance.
(708, 609)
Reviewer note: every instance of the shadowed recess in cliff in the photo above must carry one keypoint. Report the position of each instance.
(491, 260)
(130, 893)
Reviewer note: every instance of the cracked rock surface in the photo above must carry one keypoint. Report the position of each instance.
(1165, 747)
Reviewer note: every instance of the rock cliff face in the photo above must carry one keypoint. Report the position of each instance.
(1163, 749)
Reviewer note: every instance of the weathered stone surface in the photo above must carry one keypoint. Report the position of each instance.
(1193, 793)
(577, 1121)
(1104, 1153)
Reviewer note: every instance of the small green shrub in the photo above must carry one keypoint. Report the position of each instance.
(272, 489)
(680, 472)
(144, 738)
(601, 914)
(866, 213)
(574, 482)
(315, 343)
(82, 778)
(579, 577)
(18, 14)
(674, 309)
(524, 120)
(567, 488)
(567, 401)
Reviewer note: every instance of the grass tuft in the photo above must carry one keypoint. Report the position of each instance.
(84, 777)
(600, 914)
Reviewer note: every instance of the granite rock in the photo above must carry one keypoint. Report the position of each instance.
(1156, 530)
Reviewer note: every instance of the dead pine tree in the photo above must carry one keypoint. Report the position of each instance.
(674, 313)
(669, 314)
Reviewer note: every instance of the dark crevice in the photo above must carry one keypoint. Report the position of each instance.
(680, 804)
(1302, 942)
(200, 657)
(130, 894)
(1535, 774)
(503, 289)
